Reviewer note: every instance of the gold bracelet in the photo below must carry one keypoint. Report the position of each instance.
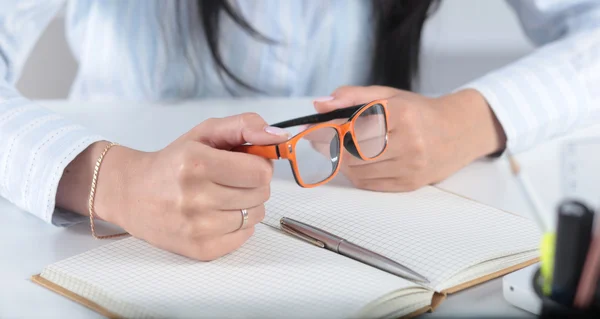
(93, 195)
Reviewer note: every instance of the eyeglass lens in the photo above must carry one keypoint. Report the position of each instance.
(318, 152)
(317, 155)
(370, 130)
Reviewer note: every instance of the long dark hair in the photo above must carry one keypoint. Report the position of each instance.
(398, 28)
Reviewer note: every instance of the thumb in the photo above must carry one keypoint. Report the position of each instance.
(229, 132)
(346, 96)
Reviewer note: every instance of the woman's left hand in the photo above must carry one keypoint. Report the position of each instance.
(428, 138)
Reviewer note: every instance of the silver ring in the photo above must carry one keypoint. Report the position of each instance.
(244, 218)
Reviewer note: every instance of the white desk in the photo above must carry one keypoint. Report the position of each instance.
(27, 244)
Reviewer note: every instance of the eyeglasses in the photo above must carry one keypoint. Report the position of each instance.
(315, 154)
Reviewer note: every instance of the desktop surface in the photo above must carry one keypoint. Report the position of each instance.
(27, 244)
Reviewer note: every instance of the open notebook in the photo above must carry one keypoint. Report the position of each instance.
(453, 241)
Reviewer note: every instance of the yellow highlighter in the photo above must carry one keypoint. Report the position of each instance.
(548, 239)
(547, 261)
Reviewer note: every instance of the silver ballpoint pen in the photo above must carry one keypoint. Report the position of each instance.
(341, 246)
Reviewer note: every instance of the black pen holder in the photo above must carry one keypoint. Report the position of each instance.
(553, 309)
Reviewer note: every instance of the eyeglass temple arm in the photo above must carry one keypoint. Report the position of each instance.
(265, 151)
(320, 118)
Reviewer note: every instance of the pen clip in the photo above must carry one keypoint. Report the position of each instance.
(305, 237)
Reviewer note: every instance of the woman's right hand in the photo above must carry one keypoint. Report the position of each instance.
(187, 198)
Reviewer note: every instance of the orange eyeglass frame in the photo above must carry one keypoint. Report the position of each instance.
(286, 150)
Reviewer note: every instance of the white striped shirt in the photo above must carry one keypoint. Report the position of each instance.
(153, 50)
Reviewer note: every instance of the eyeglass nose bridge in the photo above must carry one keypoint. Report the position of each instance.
(350, 145)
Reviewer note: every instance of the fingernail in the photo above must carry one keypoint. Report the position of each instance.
(323, 99)
(276, 131)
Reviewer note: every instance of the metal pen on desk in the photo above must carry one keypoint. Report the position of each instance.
(341, 246)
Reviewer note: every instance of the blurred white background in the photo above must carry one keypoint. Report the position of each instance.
(464, 40)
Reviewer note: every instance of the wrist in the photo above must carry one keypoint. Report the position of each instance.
(468, 117)
(74, 186)
(113, 182)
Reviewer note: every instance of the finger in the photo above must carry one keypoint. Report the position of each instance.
(211, 249)
(369, 146)
(235, 218)
(374, 169)
(324, 141)
(226, 133)
(387, 184)
(233, 169)
(324, 148)
(323, 134)
(231, 198)
(220, 222)
(370, 126)
(346, 96)
(370, 138)
(351, 160)
(202, 248)
(242, 171)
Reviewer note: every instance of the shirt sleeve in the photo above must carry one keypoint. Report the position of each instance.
(35, 144)
(555, 89)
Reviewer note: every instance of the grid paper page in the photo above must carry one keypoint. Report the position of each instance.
(431, 231)
(272, 275)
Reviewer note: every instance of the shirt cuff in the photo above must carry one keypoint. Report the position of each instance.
(65, 218)
(69, 146)
(37, 145)
(532, 109)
